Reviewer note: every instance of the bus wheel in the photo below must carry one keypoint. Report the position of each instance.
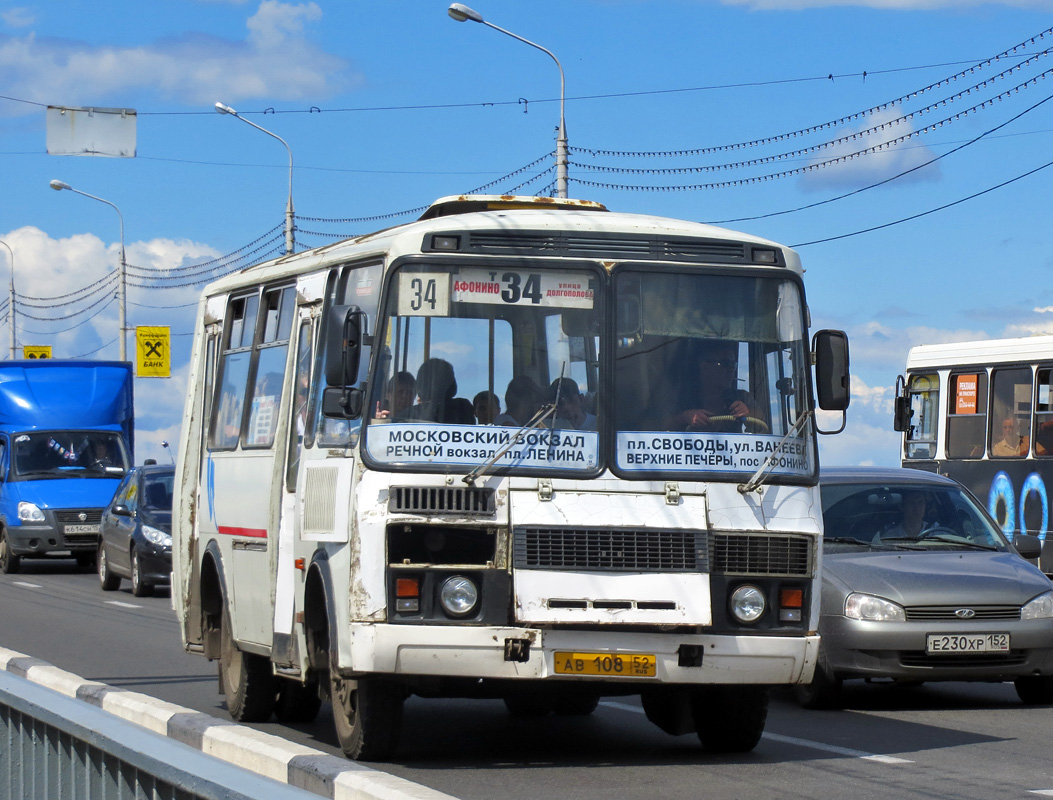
(367, 714)
(1035, 690)
(246, 679)
(9, 562)
(297, 702)
(730, 719)
(577, 705)
(825, 689)
(530, 704)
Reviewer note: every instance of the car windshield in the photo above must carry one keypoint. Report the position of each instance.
(157, 491)
(67, 454)
(904, 516)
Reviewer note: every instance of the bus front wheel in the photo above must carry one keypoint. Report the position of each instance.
(730, 719)
(367, 714)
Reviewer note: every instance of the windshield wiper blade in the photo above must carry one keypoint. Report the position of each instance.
(757, 480)
(847, 540)
(536, 421)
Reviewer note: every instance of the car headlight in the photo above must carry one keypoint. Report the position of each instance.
(747, 604)
(458, 596)
(1039, 608)
(157, 536)
(873, 609)
(27, 512)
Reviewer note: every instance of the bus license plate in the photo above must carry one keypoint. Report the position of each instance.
(967, 643)
(81, 529)
(607, 665)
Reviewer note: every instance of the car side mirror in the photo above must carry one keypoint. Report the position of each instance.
(121, 510)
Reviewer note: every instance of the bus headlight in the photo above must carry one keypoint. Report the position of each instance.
(873, 609)
(458, 596)
(27, 512)
(747, 604)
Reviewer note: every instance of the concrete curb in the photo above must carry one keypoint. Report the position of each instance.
(263, 753)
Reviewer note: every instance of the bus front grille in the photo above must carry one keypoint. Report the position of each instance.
(607, 549)
(761, 554)
(442, 500)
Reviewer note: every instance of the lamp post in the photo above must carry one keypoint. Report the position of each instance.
(11, 302)
(290, 242)
(461, 13)
(58, 186)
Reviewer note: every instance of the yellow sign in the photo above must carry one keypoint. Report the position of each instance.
(36, 351)
(153, 352)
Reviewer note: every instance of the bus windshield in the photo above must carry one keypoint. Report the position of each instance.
(466, 357)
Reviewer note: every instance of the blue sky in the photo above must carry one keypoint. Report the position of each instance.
(911, 231)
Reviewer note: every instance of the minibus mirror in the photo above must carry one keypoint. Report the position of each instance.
(903, 413)
(343, 344)
(830, 349)
(342, 402)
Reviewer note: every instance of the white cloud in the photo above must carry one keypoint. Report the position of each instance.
(276, 60)
(17, 17)
(876, 130)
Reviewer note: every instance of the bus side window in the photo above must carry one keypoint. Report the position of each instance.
(924, 393)
(1010, 430)
(966, 415)
(1044, 412)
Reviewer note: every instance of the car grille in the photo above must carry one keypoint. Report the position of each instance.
(761, 554)
(1013, 658)
(606, 549)
(950, 613)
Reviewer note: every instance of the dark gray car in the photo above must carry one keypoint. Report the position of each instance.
(135, 538)
(919, 584)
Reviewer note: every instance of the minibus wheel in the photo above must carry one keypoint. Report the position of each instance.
(246, 679)
(367, 714)
(730, 719)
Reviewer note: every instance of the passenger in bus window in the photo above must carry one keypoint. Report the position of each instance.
(487, 407)
(398, 395)
(570, 412)
(436, 387)
(522, 401)
(717, 402)
(1012, 443)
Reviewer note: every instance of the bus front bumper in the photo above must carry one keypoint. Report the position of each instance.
(531, 654)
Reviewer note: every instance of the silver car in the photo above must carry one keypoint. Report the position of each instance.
(919, 584)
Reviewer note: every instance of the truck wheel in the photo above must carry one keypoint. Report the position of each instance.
(107, 579)
(1035, 690)
(297, 702)
(140, 588)
(730, 719)
(9, 562)
(246, 679)
(367, 714)
(825, 689)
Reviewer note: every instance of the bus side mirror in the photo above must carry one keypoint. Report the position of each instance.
(903, 411)
(830, 350)
(343, 344)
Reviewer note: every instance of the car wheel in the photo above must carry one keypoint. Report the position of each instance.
(246, 680)
(1035, 690)
(825, 689)
(9, 562)
(107, 579)
(367, 714)
(730, 719)
(140, 588)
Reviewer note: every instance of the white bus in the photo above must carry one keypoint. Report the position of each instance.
(982, 413)
(521, 448)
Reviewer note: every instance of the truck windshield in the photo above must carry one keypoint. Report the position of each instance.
(57, 454)
(467, 356)
(710, 374)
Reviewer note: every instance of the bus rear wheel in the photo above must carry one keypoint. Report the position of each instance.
(247, 680)
(367, 714)
(730, 719)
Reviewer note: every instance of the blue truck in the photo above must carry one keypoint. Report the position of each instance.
(66, 440)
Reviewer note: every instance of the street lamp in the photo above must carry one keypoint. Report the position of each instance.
(461, 13)
(58, 186)
(11, 302)
(290, 242)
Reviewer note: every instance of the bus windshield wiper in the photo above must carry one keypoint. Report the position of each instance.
(536, 421)
(757, 480)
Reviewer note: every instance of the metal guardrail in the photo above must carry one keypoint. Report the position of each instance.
(66, 738)
(54, 747)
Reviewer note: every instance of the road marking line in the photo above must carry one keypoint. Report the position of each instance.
(27, 585)
(1043, 792)
(776, 737)
(122, 605)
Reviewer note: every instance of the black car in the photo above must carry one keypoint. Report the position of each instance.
(135, 539)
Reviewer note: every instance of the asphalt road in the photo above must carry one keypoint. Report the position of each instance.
(934, 741)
